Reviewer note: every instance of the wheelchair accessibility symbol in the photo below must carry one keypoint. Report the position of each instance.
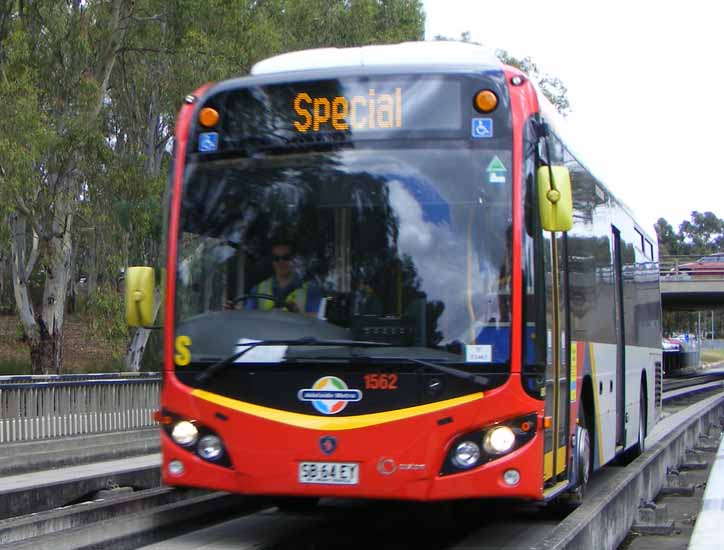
(482, 128)
(208, 142)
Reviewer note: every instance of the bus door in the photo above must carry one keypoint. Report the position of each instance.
(557, 403)
(620, 340)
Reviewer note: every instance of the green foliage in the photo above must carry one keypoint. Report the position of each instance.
(104, 313)
(89, 101)
(669, 243)
(172, 49)
(24, 134)
(702, 234)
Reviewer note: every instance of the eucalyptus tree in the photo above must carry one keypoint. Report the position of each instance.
(171, 50)
(90, 92)
(56, 62)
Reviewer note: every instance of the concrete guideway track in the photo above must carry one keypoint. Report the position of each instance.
(123, 522)
(45, 490)
(53, 453)
(604, 519)
(128, 509)
(156, 514)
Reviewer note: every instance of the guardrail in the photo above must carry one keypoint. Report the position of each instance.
(40, 407)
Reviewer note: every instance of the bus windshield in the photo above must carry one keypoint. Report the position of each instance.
(405, 246)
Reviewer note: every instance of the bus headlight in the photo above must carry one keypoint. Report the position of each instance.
(498, 440)
(210, 447)
(185, 433)
(466, 455)
(488, 443)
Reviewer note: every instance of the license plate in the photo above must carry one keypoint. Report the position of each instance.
(329, 473)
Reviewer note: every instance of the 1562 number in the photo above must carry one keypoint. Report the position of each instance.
(380, 381)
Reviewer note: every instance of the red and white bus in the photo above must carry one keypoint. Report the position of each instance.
(480, 316)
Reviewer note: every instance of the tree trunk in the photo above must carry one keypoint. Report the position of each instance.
(46, 352)
(3, 274)
(58, 269)
(44, 331)
(21, 267)
(92, 280)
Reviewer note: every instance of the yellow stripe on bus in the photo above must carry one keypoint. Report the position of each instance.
(548, 463)
(332, 423)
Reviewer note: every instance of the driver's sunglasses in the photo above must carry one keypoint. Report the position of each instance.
(285, 258)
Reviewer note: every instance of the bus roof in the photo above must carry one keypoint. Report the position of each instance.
(445, 54)
(420, 54)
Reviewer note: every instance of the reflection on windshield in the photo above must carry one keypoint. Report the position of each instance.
(407, 247)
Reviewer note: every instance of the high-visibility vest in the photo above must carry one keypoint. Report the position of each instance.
(299, 296)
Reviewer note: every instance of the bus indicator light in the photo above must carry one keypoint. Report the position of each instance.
(208, 117)
(161, 418)
(485, 101)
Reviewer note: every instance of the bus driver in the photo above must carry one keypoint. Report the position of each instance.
(285, 285)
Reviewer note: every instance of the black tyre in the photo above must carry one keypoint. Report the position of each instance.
(640, 446)
(585, 449)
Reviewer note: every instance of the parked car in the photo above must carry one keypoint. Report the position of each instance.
(671, 344)
(708, 265)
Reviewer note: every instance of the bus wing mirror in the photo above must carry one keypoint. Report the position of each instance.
(140, 282)
(554, 198)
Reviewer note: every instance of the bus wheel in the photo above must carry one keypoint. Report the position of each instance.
(635, 451)
(640, 446)
(584, 458)
(583, 441)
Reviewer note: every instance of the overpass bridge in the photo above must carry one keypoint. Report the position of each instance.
(687, 283)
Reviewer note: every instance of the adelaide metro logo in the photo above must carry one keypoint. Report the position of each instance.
(329, 395)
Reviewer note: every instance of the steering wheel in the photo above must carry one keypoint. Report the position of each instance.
(257, 295)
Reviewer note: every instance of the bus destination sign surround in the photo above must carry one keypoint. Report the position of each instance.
(350, 109)
(375, 110)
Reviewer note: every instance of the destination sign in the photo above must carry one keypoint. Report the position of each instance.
(375, 110)
(375, 105)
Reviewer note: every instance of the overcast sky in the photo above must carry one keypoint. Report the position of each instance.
(644, 81)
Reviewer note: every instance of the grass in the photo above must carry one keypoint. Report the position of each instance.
(14, 366)
(83, 352)
(712, 355)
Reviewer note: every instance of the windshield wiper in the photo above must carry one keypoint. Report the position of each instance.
(459, 373)
(305, 341)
